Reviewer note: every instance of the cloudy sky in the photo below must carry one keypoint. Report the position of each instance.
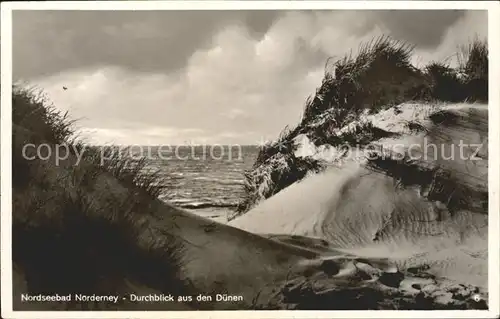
(148, 77)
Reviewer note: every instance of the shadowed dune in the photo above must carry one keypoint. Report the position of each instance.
(160, 247)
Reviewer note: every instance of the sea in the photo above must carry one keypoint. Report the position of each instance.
(206, 180)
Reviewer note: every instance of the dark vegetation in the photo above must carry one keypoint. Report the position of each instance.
(379, 76)
(36, 121)
(73, 232)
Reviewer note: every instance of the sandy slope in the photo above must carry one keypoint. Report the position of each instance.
(351, 218)
(277, 273)
(358, 258)
(363, 213)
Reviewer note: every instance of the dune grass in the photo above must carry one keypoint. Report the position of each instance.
(378, 76)
(37, 121)
(81, 228)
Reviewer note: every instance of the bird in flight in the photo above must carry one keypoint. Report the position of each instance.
(65, 88)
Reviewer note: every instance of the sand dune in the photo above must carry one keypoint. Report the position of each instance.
(365, 212)
(351, 237)
(269, 273)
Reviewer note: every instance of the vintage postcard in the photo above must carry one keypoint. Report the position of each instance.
(253, 159)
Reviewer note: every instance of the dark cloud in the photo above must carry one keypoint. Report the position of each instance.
(247, 76)
(422, 28)
(45, 42)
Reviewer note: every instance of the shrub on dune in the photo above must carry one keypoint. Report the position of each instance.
(444, 83)
(474, 67)
(468, 81)
(379, 75)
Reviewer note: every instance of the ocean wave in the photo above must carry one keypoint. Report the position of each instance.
(190, 203)
(223, 181)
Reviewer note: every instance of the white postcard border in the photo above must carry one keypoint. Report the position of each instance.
(493, 8)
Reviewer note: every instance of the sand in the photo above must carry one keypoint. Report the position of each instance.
(343, 239)
(355, 211)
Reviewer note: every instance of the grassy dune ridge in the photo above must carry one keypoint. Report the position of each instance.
(65, 215)
(100, 228)
(380, 76)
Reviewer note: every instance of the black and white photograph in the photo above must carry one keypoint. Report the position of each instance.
(253, 159)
